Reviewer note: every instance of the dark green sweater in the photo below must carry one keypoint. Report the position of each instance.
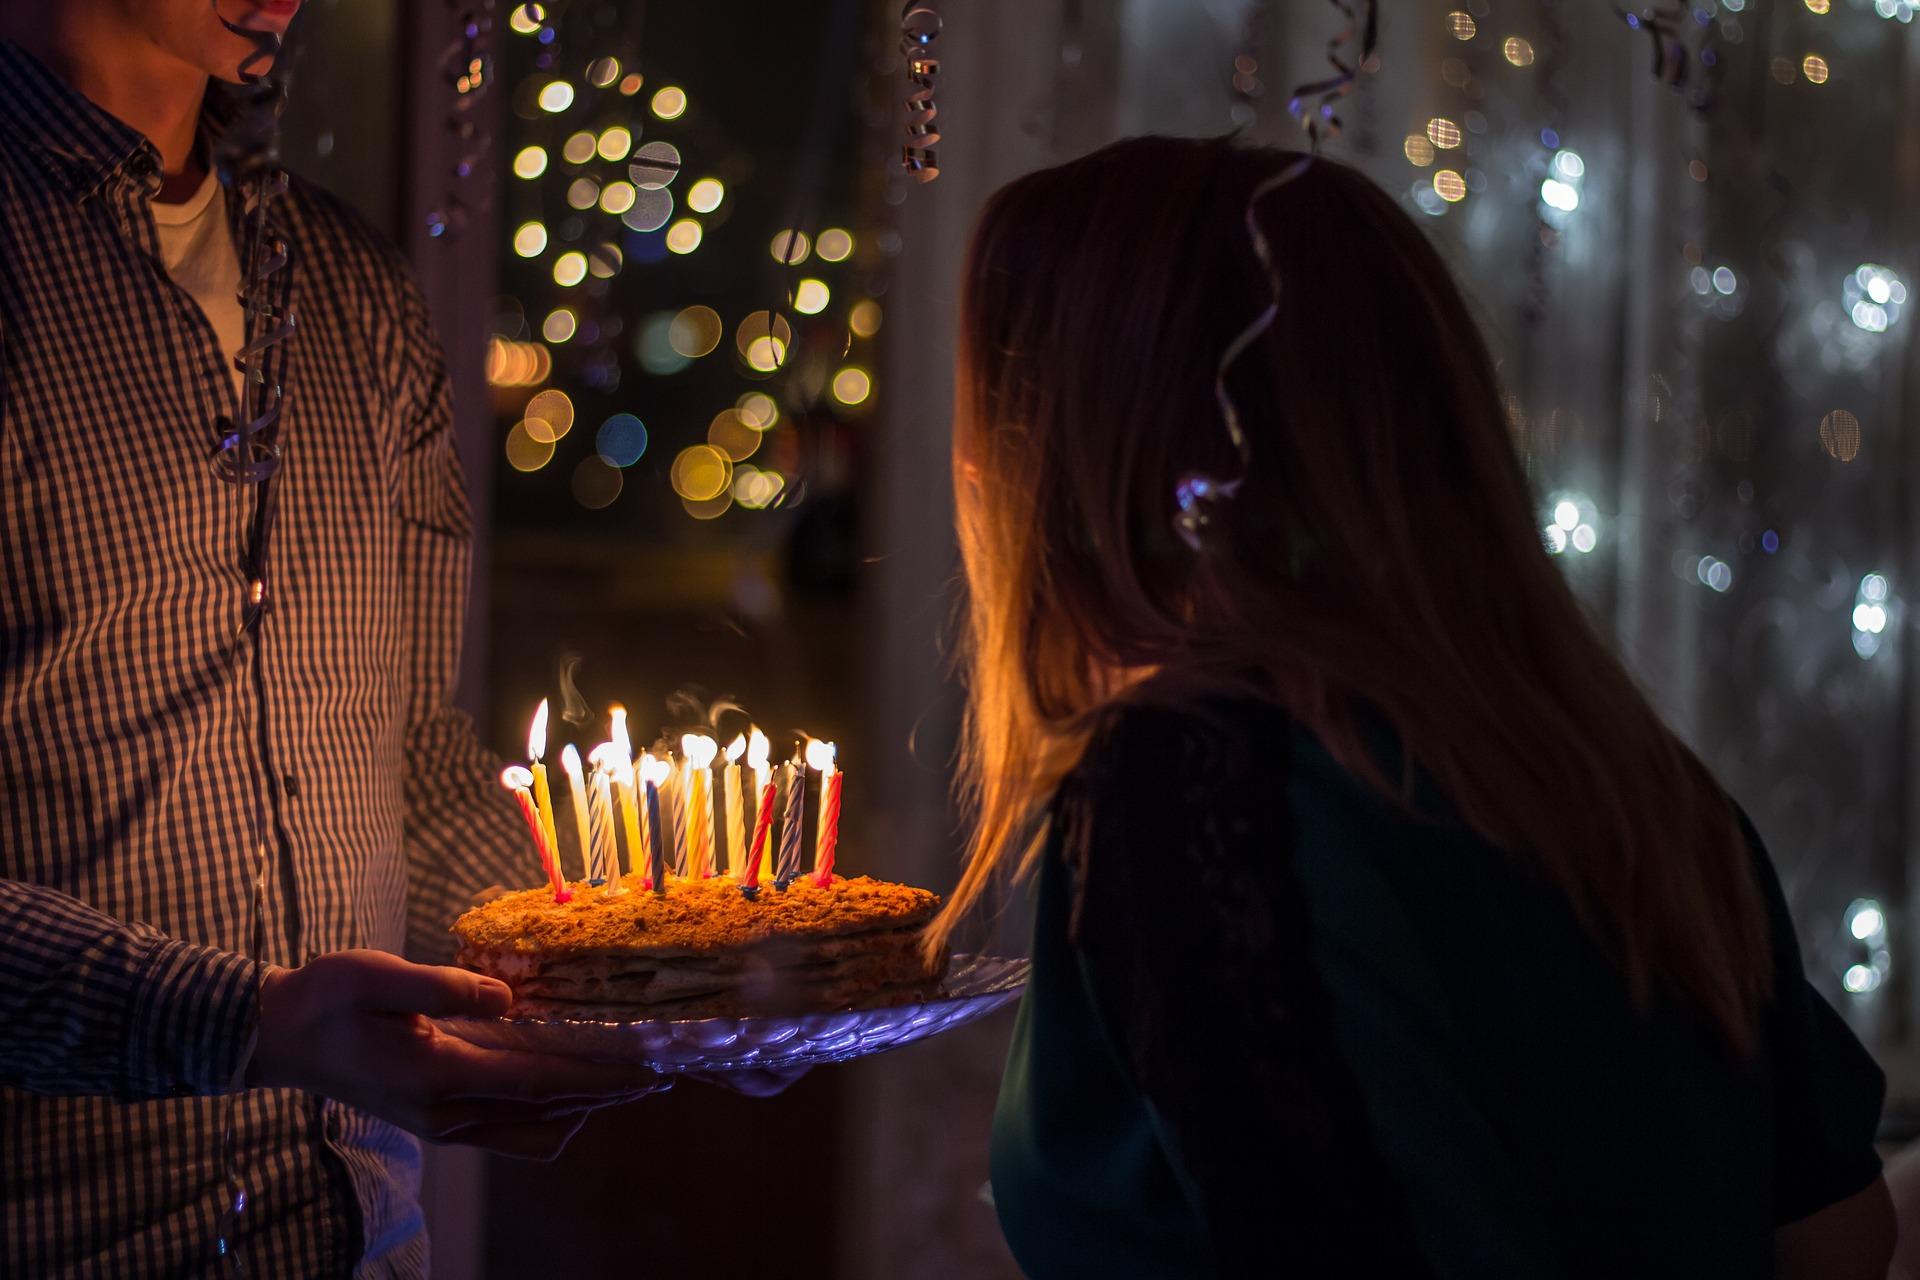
(1277, 1027)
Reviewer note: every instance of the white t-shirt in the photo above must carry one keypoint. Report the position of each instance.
(197, 249)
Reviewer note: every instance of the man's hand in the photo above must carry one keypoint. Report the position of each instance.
(356, 1026)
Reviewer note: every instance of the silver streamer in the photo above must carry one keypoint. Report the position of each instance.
(919, 28)
(1198, 497)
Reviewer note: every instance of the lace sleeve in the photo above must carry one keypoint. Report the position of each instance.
(1192, 937)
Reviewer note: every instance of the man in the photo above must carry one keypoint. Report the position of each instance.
(188, 724)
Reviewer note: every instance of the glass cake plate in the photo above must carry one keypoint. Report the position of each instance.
(974, 987)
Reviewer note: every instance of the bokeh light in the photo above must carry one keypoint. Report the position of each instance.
(556, 97)
(711, 509)
(684, 235)
(705, 195)
(864, 319)
(789, 246)
(524, 452)
(1443, 133)
(810, 296)
(756, 489)
(579, 147)
(758, 410)
(530, 239)
(701, 473)
(1518, 51)
(654, 165)
(695, 331)
(548, 416)
(1461, 26)
(570, 269)
(1840, 435)
(669, 102)
(615, 142)
(618, 197)
(1449, 186)
(621, 440)
(596, 482)
(530, 162)
(527, 18)
(583, 193)
(1873, 297)
(602, 72)
(630, 83)
(605, 260)
(559, 325)
(651, 209)
(653, 345)
(731, 435)
(1814, 68)
(835, 244)
(852, 385)
(1419, 149)
(512, 363)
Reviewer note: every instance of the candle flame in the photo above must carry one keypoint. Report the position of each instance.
(736, 747)
(570, 761)
(516, 777)
(620, 741)
(537, 734)
(653, 769)
(820, 755)
(757, 750)
(698, 749)
(606, 758)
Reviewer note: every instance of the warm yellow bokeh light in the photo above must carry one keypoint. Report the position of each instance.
(553, 408)
(1814, 68)
(1443, 133)
(695, 331)
(731, 435)
(530, 163)
(602, 72)
(524, 453)
(530, 241)
(570, 269)
(669, 102)
(559, 325)
(527, 18)
(764, 354)
(701, 473)
(684, 236)
(757, 410)
(579, 147)
(705, 195)
(556, 97)
(630, 83)
(1518, 51)
(789, 247)
(1461, 25)
(864, 319)
(615, 142)
(852, 385)
(835, 244)
(1419, 150)
(810, 296)
(582, 193)
(1818, 6)
(618, 197)
(1450, 186)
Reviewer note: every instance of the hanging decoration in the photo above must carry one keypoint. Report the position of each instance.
(919, 28)
(467, 65)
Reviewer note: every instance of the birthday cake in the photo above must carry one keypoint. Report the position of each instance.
(703, 948)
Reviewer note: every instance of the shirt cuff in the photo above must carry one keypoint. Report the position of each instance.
(195, 1016)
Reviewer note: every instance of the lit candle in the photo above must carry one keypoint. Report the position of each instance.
(652, 772)
(730, 805)
(637, 855)
(518, 780)
(542, 797)
(757, 751)
(823, 759)
(673, 812)
(761, 825)
(577, 785)
(606, 850)
(698, 751)
(792, 823)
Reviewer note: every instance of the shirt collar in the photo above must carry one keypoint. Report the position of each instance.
(81, 144)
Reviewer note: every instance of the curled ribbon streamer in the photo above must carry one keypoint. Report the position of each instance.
(1319, 120)
(467, 66)
(1675, 63)
(1199, 497)
(919, 28)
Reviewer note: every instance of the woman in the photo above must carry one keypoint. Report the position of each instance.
(1383, 929)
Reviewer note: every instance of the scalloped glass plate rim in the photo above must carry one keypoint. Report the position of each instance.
(974, 987)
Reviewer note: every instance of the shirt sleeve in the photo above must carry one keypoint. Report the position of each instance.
(1192, 938)
(463, 832)
(1828, 1091)
(94, 1006)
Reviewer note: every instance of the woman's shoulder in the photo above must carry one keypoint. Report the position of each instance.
(1161, 740)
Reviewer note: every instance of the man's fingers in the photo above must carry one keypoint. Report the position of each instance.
(465, 1070)
(392, 985)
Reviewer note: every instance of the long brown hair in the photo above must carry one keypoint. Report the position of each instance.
(1382, 559)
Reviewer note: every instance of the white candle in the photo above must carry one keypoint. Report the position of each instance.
(577, 784)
